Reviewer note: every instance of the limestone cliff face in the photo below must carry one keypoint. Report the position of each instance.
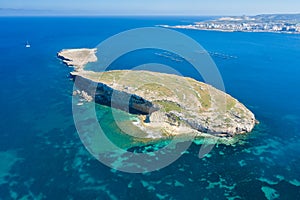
(105, 95)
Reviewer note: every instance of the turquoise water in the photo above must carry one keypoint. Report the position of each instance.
(42, 157)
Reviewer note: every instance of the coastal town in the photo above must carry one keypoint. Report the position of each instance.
(261, 23)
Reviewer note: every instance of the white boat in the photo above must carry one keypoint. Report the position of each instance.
(27, 45)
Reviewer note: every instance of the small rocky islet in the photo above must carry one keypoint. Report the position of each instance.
(167, 105)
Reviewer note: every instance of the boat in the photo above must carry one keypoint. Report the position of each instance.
(27, 45)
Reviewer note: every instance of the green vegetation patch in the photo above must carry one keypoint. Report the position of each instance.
(230, 103)
(169, 106)
(203, 96)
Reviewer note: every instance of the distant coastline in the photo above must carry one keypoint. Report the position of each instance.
(281, 23)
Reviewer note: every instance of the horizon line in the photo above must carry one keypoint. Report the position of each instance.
(12, 12)
(140, 15)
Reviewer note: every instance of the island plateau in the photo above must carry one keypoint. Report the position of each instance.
(166, 104)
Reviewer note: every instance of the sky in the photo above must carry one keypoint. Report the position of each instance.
(149, 7)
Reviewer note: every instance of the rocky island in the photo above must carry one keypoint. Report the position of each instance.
(166, 105)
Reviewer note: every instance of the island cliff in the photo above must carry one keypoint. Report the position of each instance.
(166, 104)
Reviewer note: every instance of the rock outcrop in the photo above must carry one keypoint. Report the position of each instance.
(77, 58)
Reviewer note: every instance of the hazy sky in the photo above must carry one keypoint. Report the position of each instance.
(154, 7)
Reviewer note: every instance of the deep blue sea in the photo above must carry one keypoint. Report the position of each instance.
(42, 156)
